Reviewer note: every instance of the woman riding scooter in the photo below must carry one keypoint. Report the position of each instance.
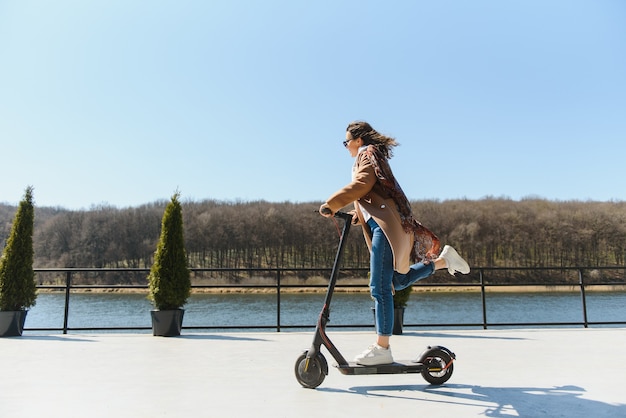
(395, 238)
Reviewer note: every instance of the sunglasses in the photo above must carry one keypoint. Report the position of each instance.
(346, 142)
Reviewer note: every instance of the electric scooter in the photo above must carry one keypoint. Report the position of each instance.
(435, 363)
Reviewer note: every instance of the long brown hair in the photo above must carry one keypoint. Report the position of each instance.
(369, 135)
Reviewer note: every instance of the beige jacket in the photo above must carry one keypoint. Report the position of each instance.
(366, 190)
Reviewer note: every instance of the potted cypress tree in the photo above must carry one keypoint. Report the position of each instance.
(17, 279)
(400, 300)
(169, 278)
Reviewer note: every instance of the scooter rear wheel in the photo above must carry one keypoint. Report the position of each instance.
(310, 373)
(435, 371)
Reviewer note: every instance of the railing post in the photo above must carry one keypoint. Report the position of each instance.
(581, 282)
(278, 300)
(482, 294)
(68, 284)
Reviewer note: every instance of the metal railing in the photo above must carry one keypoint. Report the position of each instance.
(279, 287)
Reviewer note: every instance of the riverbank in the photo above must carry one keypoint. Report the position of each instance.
(416, 289)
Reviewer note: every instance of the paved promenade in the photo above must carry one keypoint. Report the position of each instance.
(498, 373)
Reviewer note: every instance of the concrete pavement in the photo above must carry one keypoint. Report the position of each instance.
(498, 373)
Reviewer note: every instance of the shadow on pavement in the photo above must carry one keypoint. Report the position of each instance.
(219, 337)
(460, 336)
(500, 401)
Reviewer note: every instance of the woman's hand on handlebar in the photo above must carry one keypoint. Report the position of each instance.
(326, 211)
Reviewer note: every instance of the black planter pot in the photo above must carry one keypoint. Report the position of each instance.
(12, 323)
(398, 320)
(167, 323)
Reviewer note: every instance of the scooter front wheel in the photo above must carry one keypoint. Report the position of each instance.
(310, 373)
(438, 367)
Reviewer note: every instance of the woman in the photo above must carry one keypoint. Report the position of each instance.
(394, 237)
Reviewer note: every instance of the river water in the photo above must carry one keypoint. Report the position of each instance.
(428, 310)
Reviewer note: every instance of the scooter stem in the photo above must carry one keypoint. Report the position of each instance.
(320, 330)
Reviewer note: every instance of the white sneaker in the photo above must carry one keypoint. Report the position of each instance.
(454, 261)
(374, 356)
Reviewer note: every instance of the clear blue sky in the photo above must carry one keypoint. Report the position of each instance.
(123, 102)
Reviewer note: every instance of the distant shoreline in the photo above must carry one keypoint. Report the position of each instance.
(416, 289)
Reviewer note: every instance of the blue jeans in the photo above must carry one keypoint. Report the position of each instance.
(382, 275)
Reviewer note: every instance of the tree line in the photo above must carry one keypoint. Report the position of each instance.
(491, 232)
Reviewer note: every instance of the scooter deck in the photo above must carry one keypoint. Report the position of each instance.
(398, 367)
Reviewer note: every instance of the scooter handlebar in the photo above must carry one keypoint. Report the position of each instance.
(338, 214)
(343, 215)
